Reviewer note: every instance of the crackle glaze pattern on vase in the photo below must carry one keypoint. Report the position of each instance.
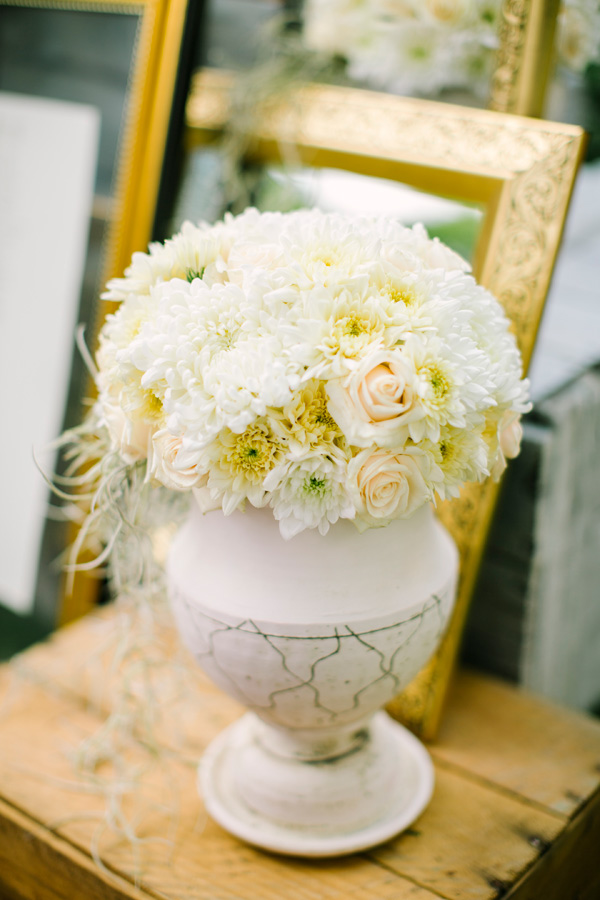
(317, 631)
(313, 676)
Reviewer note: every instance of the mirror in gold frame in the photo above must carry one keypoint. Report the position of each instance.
(520, 171)
(121, 63)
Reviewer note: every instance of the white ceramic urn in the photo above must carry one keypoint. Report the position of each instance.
(313, 635)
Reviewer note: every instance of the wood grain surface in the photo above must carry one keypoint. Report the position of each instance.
(515, 812)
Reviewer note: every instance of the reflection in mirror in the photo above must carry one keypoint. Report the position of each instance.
(63, 100)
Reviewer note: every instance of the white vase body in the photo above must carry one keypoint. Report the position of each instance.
(314, 635)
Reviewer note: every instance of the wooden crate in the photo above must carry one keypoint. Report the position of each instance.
(515, 812)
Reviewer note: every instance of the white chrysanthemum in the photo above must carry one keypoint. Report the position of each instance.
(122, 327)
(196, 252)
(321, 250)
(207, 320)
(121, 391)
(238, 464)
(452, 384)
(430, 251)
(491, 330)
(306, 423)
(256, 249)
(334, 330)
(328, 244)
(460, 455)
(212, 356)
(310, 493)
(141, 403)
(244, 383)
(424, 47)
(421, 300)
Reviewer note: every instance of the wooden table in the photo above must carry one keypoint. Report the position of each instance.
(515, 813)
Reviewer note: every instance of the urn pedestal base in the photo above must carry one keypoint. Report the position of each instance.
(314, 636)
(322, 807)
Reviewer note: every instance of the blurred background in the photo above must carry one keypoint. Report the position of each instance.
(535, 616)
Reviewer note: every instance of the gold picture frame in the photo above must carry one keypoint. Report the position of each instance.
(525, 56)
(56, 51)
(521, 170)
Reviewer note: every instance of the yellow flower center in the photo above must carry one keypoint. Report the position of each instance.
(253, 453)
(152, 408)
(352, 326)
(449, 453)
(329, 257)
(400, 294)
(227, 338)
(316, 418)
(143, 404)
(351, 333)
(309, 419)
(320, 415)
(315, 487)
(439, 381)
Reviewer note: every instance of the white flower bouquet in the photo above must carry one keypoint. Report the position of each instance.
(323, 365)
(425, 46)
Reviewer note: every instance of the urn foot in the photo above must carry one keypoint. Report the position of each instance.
(324, 807)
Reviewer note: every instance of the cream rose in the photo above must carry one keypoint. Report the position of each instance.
(375, 403)
(510, 434)
(508, 442)
(385, 486)
(168, 464)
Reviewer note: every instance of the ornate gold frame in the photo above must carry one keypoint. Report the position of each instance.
(137, 169)
(521, 170)
(525, 56)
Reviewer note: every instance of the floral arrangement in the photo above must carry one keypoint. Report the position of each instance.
(424, 46)
(329, 367)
